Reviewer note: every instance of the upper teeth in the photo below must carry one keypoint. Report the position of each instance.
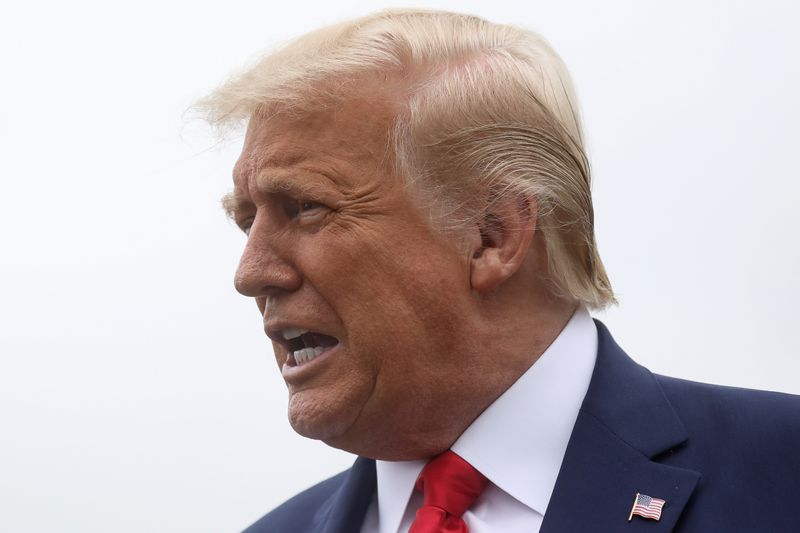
(293, 333)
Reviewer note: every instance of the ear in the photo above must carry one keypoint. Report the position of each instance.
(506, 233)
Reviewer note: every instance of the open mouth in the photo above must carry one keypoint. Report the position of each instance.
(305, 346)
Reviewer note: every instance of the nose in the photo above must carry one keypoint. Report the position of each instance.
(263, 269)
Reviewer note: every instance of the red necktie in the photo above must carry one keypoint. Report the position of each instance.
(449, 486)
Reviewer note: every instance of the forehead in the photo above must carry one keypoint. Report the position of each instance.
(351, 134)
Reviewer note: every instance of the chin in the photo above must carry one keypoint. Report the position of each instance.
(319, 420)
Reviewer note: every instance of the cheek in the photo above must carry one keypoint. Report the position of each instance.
(391, 288)
(411, 317)
(400, 315)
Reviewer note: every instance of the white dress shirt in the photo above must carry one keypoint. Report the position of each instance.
(518, 442)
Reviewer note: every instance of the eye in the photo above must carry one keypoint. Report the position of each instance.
(298, 208)
(308, 205)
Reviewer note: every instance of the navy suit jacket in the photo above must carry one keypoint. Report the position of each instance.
(724, 459)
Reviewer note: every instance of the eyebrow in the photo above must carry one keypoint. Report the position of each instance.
(231, 204)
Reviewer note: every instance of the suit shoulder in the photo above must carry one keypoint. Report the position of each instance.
(764, 419)
(682, 390)
(297, 514)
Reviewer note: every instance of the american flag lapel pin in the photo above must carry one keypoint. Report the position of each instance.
(646, 506)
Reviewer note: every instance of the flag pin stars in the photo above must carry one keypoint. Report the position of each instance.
(646, 506)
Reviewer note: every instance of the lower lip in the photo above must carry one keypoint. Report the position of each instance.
(296, 372)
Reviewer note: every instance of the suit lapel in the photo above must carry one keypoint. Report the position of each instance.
(625, 422)
(345, 510)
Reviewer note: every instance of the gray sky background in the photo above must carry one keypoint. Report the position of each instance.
(137, 390)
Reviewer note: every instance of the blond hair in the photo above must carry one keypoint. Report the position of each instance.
(484, 110)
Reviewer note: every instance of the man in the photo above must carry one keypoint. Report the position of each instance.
(420, 244)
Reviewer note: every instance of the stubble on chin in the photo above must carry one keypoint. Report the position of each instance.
(320, 416)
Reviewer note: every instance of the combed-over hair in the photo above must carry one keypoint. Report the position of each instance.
(484, 110)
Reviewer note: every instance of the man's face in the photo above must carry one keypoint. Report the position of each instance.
(338, 254)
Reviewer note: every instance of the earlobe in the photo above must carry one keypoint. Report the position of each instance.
(506, 233)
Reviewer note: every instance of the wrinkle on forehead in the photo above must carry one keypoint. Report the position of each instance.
(355, 130)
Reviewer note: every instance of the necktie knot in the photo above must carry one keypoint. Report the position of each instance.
(449, 485)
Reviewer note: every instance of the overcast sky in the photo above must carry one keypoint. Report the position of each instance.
(137, 390)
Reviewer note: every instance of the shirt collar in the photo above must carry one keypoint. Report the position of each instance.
(519, 441)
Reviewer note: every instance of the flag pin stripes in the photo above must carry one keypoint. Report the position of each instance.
(646, 506)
